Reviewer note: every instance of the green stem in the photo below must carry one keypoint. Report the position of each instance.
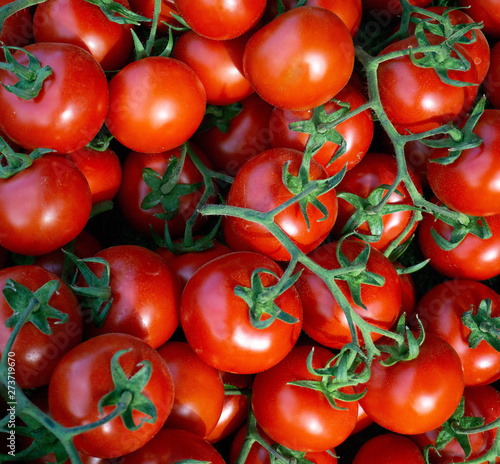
(10, 8)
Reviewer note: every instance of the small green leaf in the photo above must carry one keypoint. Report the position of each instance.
(482, 325)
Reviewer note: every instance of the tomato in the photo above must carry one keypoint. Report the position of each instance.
(155, 104)
(414, 98)
(440, 311)
(491, 83)
(487, 12)
(102, 169)
(17, 29)
(133, 189)
(482, 402)
(297, 417)
(222, 19)
(362, 422)
(198, 387)
(471, 184)
(218, 64)
(473, 258)
(146, 8)
(357, 131)
(259, 186)
(145, 295)
(44, 206)
(37, 353)
(217, 323)
(248, 135)
(81, 23)
(389, 447)
(70, 108)
(324, 319)
(372, 171)
(83, 376)
(392, 7)
(171, 446)
(415, 396)
(315, 59)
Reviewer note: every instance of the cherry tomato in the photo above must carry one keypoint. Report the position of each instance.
(315, 59)
(17, 29)
(487, 12)
(491, 83)
(389, 447)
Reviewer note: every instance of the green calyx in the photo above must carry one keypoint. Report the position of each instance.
(118, 13)
(482, 325)
(11, 162)
(220, 117)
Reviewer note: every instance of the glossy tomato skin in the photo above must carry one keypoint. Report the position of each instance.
(222, 19)
(473, 258)
(471, 184)
(198, 387)
(415, 396)
(17, 30)
(357, 131)
(44, 206)
(259, 186)
(71, 106)
(487, 12)
(324, 319)
(372, 171)
(440, 311)
(389, 447)
(216, 322)
(83, 377)
(288, 79)
(218, 64)
(145, 294)
(171, 446)
(85, 25)
(102, 169)
(155, 104)
(297, 417)
(37, 354)
(248, 135)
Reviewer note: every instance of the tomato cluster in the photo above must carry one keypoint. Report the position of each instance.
(250, 232)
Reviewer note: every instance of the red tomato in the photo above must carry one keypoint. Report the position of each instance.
(487, 12)
(81, 23)
(218, 64)
(474, 258)
(471, 184)
(145, 295)
(259, 186)
(491, 83)
(83, 377)
(102, 169)
(70, 108)
(248, 135)
(171, 446)
(221, 19)
(415, 396)
(217, 323)
(297, 417)
(324, 319)
(17, 29)
(357, 131)
(155, 104)
(198, 387)
(440, 311)
(372, 171)
(389, 447)
(315, 59)
(44, 206)
(37, 353)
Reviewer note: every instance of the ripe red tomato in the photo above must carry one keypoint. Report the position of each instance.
(487, 12)
(440, 311)
(491, 83)
(71, 106)
(17, 29)
(324, 319)
(357, 131)
(218, 64)
(315, 59)
(297, 417)
(217, 322)
(145, 295)
(415, 396)
(222, 19)
(198, 387)
(83, 24)
(155, 104)
(37, 353)
(83, 376)
(259, 186)
(44, 206)
(389, 447)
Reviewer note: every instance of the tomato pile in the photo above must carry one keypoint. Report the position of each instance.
(250, 232)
